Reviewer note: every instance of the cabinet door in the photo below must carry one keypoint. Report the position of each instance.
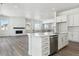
(76, 36)
(70, 20)
(58, 19)
(63, 18)
(76, 20)
(62, 27)
(64, 40)
(59, 41)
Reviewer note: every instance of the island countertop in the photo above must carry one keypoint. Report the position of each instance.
(42, 34)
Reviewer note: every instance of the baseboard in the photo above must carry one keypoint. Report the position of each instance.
(52, 54)
(73, 41)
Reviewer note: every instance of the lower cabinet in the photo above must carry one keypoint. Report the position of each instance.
(62, 40)
(45, 46)
(39, 46)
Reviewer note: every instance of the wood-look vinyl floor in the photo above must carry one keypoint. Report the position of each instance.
(14, 46)
(71, 50)
(18, 46)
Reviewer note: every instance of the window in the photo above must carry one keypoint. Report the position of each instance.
(3, 22)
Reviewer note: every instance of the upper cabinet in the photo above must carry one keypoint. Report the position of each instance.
(61, 24)
(73, 20)
(62, 27)
(61, 19)
(76, 20)
(64, 18)
(70, 20)
(58, 19)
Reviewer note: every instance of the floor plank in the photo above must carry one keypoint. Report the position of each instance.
(71, 50)
(18, 46)
(14, 46)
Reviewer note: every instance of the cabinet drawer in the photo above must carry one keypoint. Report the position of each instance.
(45, 53)
(45, 48)
(45, 44)
(45, 39)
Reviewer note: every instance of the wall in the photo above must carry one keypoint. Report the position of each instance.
(16, 22)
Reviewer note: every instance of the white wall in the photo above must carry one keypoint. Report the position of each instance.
(16, 22)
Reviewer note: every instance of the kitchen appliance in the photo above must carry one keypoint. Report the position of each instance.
(19, 31)
(53, 44)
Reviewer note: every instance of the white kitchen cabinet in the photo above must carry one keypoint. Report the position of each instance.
(70, 20)
(70, 36)
(76, 20)
(75, 36)
(62, 30)
(64, 18)
(61, 18)
(39, 45)
(73, 20)
(59, 42)
(62, 40)
(58, 19)
(62, 27)
(73, 23)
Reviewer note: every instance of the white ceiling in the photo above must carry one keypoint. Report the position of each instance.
(30, 10)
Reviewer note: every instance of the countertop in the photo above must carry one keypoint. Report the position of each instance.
(41, 34)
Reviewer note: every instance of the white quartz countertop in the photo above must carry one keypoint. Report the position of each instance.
(42, 34)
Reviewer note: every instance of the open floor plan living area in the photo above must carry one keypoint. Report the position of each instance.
(39, 29)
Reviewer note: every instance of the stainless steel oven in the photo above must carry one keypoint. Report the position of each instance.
(19, 32)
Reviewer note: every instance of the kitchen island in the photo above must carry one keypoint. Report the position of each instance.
(39, 44)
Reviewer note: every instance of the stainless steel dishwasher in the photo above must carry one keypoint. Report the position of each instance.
(53, 44)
